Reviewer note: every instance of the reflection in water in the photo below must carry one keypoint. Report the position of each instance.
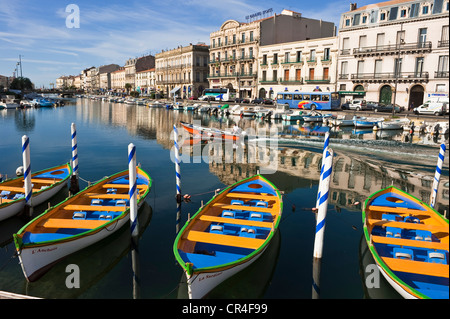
(24, 119)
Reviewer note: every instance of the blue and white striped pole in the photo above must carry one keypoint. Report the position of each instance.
(74, 149)
(326, 143)
(437, 175)
(27, 173)
(323, 203)
(132, 190)
(178, 178)
(74, 186)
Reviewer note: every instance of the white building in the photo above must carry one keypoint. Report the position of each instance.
(118, 80)
(146, 81)
(395, 51)
(301, 65)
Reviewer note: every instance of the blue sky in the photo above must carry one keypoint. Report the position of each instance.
(113, 31)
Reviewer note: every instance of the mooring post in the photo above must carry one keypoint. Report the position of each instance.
(178, 178)
(326, 143)
(74, 186)
(27, 175)
(323, 203)
(437, 175)
(132, 189)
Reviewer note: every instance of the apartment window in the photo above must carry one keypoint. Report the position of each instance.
(444, 37)
(364, 19)
(377, 70)
(345, 46)
(393, 13)
(356, 19)
(400, 37)
(298, 75)
(234, 54)
(312, 55)
(264, 61)
(214, 43)
(286, 57)
(286, 75)
(397, 66)
(226, 56)
(242, 53)
(243, 38)
(226, 40)
(347, 22)
(326, 73)
(311, 74)
(422, 37)
(380, 39)
(251, 35)
(274, 75)
(360, 69)
(425, 10)
(275, 58)
(440, 87)
(264, 76)
(326, 54)
(344, 70)
(234, 38)
(383, 16)
(362, 41)
(414, 10)
(373, 16)
(218, 42)
(298, 56)
(419, 67)
(442, 66)
(403, 13)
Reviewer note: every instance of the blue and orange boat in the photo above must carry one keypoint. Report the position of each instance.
(409, 241)
(228, 234)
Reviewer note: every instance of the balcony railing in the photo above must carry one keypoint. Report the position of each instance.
(317, 79)
(390, 77)
(232, 75)
(443, 43)
(393, 48)
(441, 74)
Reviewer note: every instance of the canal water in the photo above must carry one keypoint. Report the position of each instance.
(288, 155)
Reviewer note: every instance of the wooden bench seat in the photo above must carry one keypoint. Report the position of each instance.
(95, 208)
(235, 221)
(419, 267)
(399, 210)
(227, 240)
(45, 181)
(403, 225)
(141, 186)
(17, 189)
(107, 196)
(409, 242)
(251, 196)
(272, 210)
(73, 223)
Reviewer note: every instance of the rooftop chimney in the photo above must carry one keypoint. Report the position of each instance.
(353, 6)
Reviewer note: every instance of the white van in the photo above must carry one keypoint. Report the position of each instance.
(435, 106)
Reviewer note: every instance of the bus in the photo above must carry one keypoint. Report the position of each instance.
(310, 100)
(222, 94)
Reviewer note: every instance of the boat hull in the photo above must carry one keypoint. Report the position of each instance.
(200, 284)
(40, 245)
(10, 209)
(409, 242)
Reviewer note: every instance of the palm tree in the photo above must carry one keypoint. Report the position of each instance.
(128, 87)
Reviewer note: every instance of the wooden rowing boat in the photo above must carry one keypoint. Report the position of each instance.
(209, 132)
(409, 242)
(81, 220)
(227, 234)
(45, 184)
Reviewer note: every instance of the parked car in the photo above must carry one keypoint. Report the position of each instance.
(207, 98)
(268, 101)
(359, 105)
(345, 106)
(433, 107)
(241, 100)
(257, 101)
(193, 98)
(388, 108)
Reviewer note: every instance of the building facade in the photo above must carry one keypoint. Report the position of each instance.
(118, 80)
(300, 65)
(182, 71)
(234, 48)
(395, 51)
(146, 81)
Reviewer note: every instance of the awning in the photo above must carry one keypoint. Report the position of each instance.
(175, 90)
(352, 93)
